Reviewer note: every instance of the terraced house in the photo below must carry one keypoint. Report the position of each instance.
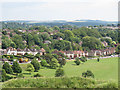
(13, 51)
(74, 54)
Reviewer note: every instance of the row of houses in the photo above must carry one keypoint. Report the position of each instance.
(13, 51)
(74, 54)
(105, 27)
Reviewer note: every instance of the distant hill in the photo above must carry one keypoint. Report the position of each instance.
(63, 22)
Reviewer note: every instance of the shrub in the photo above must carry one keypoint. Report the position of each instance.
(43, 62)
(88, 73)
(83, 59)
(38, 75)
(59, 72)
(7, 68)
(54, 63)
(98, 59)
(62, 61)
(3, 75)
(30, 68)
(16, 67)
(36, 64)
(77, 61)
(20, 75)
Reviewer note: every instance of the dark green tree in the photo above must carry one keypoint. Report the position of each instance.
(59, 72)
(98, 59)
(43, 62)
(83, 59)
(3, 75)
(54, 63)
(36, 64)
(88, 73)
(7, 68)
(62, 61)
(30, 68)
(16, 67)
(77, 61)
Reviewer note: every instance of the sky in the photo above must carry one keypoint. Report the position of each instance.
(44, 10)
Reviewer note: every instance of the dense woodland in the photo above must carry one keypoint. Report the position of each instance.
(35, 36)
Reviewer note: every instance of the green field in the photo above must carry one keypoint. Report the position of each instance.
(106, 69)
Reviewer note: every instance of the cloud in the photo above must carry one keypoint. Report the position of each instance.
(60, 9)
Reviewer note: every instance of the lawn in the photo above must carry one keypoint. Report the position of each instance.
(106, 69)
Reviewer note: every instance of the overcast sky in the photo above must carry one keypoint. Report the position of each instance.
(59, 10)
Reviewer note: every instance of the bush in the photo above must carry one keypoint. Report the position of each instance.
(16, 67)
(7, 68)
(59, 72)
(54, 63)
(88, 73)
(83, 59)
(77, 61)
(43, 62)
(20, 75)
(98, 59)
(36, 64)
(38, 75)
(62, 61)
(3, 75)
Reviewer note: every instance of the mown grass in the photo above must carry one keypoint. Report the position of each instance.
(106, 69)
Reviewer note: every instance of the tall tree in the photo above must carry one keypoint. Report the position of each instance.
(36, 64)
(54, 63)
(7, 68)
(3, 75)
(30, 68)
(16, 68)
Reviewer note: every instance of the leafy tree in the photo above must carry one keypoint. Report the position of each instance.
(30, 68)
(45, 36)
(30, 41)
(92, 43)
(43, 62)
(62, 61)
(48, 57)
(77, 61)
(109, 41)
(17, 39)
(62, 45)
(59, 72)
(38, 55)
(54, 63)
(118, 49)
(59, 34)
(20, 75)
(13, 45)
(56, 28)
(88, 73)
(7, 68)
(36, 64)
(3, 75)
(79, 33)
(68, 35)
(16, 68)
(6, 42)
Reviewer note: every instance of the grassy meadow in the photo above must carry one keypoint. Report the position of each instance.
(106, 69)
